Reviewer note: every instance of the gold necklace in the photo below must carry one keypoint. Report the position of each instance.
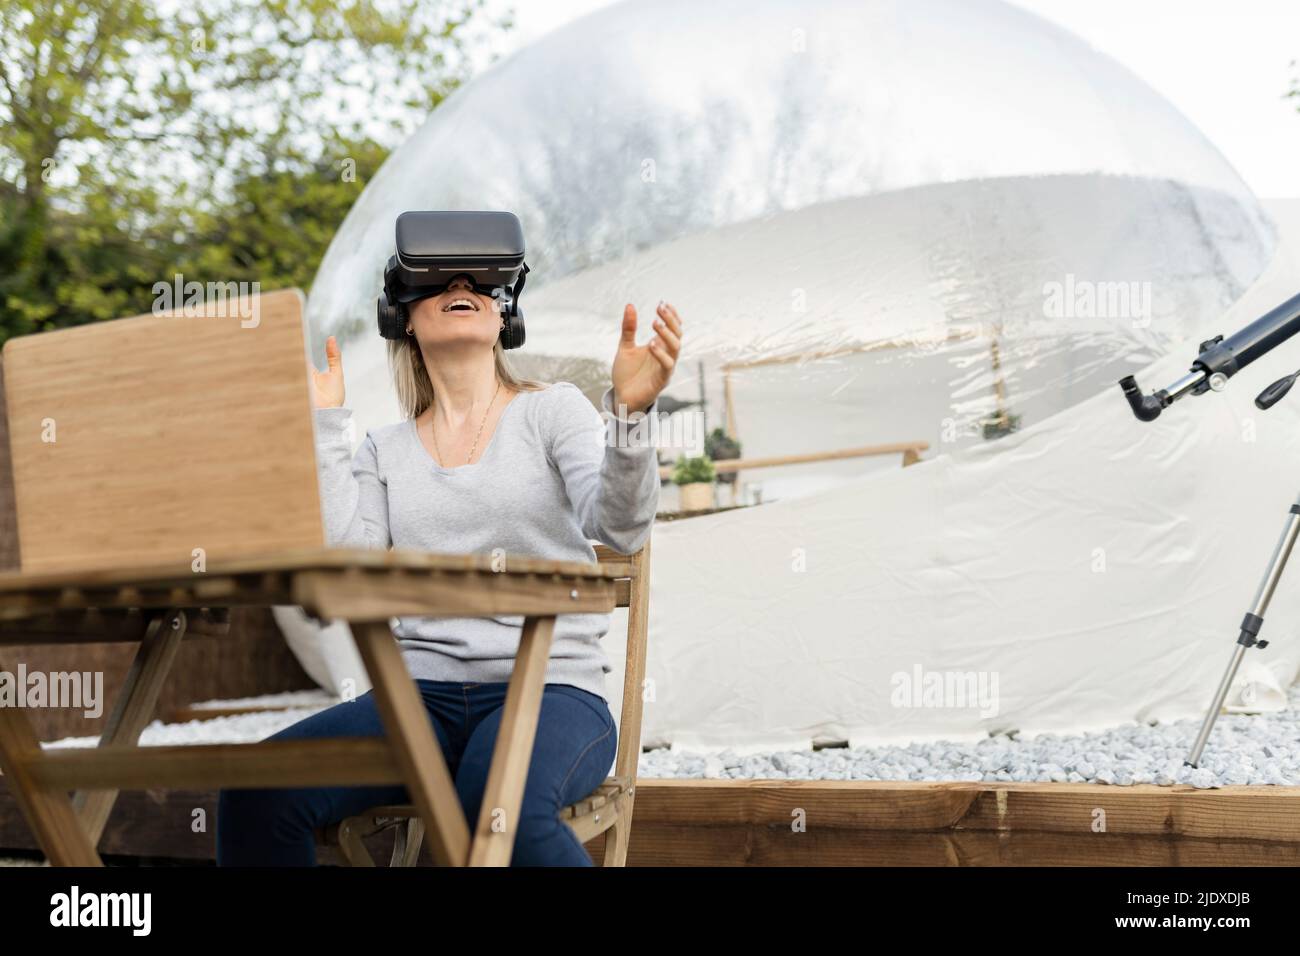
(473, 447)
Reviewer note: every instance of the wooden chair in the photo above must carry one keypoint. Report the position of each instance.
(607, 810)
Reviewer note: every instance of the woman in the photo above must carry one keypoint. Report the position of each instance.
(484, 463)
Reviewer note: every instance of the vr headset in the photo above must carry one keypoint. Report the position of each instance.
(433, 248)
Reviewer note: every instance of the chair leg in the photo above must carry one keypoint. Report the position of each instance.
(406, 846)
(351, 848)
(617, 836)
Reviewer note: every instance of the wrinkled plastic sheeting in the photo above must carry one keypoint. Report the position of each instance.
(841, 176)
(909, 316)
(946, 305)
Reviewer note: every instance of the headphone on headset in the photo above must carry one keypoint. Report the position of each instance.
(395, 307)
(434, 248)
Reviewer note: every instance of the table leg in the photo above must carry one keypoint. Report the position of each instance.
(133, 709)
(494, 836)
(49, 812)
(415, 746)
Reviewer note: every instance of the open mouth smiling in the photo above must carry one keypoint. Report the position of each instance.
(461, 304)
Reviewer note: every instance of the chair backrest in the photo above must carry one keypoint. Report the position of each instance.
(633, 593)
(152, 440)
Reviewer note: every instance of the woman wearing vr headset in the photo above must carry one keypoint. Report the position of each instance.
(484, 463)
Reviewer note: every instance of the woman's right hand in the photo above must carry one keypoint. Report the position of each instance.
(327, 386)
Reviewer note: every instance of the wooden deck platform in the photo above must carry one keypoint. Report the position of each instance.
(846, 823)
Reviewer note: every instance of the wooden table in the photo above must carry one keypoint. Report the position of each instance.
(153, 606)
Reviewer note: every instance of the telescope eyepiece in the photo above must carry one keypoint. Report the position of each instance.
(1147, 408)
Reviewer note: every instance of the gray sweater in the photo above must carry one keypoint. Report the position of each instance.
(555, 473)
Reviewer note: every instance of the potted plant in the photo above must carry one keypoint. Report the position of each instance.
(694, 476)
(720, 446)
(996, 426)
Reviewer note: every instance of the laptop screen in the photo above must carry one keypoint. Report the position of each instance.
(167, 440)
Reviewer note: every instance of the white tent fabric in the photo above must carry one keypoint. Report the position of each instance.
(1090, 570)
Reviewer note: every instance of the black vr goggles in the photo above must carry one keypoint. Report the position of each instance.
(433, 248)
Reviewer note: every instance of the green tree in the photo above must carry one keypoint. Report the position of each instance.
(142, 137)
(278, 223)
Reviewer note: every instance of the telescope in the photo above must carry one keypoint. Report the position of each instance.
(1218, 361)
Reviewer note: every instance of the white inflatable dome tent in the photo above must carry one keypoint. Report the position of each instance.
(883, 221)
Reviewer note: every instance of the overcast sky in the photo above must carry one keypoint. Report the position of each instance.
(1226, 64)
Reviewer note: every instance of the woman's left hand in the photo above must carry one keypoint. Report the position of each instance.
(641, 372)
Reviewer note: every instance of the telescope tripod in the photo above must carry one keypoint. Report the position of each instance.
(1217, 360)
(1250, 627)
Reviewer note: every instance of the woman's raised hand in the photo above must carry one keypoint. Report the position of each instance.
(327, 386)
(641, 372)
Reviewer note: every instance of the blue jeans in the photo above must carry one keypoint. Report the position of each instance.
(572, 754)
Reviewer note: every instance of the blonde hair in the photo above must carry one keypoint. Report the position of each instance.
(411, 378)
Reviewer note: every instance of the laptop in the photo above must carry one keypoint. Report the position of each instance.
(170, 441)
